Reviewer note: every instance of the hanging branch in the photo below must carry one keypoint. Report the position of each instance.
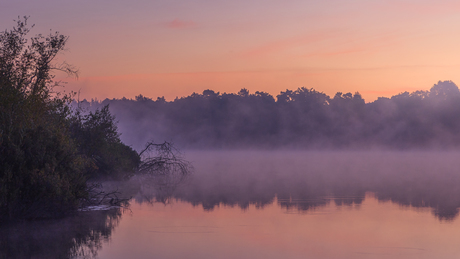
(162, 159)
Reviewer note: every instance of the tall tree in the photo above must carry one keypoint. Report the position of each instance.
(40, 172)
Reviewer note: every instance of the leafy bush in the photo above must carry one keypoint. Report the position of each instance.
(47, 152)
(99, 141)
(41, 174)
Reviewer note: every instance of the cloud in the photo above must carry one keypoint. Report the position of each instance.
(179, 24)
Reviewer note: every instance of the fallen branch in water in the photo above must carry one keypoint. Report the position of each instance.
(99, 199)
(163, 159)
(161, 171)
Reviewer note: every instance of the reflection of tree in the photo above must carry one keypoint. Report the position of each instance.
(441, 195)
(302, 205)
(292, 194)
(419, 180)
(80, 236)
(157, 188)
(161, 171)
(445, 205)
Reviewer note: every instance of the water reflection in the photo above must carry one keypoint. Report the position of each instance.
(307, 180)
(80, 236)
(156, 188)
(371, 229)
(296, 182)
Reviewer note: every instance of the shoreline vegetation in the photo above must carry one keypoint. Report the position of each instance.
(51, 154)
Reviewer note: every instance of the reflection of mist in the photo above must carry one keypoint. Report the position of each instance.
(298, 181)
(75, 237)
(157, 188)
(307, 180)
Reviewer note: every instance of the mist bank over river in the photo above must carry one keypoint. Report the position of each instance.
(304, 180)
(243, 184)
(304, 118)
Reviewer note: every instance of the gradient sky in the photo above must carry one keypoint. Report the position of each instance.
(174, 48)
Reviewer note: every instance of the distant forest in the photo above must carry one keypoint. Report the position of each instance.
(304, 118)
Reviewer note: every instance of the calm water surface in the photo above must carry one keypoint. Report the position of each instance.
(273, 204)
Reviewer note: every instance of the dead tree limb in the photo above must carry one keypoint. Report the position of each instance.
(163, 159)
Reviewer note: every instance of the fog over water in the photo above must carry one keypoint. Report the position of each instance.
(304, 179)
(260, 159)
(307, 145)
(254, 183)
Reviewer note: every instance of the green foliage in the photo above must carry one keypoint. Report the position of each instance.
(98, 140)
(47, 152)
(41, 174)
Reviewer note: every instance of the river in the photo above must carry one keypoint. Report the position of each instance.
(270, 204)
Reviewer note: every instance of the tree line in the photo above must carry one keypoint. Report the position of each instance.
(302, 118)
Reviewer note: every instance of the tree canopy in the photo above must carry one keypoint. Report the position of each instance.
(47, 150)
(302, 118)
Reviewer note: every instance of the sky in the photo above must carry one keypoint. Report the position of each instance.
(173, 48)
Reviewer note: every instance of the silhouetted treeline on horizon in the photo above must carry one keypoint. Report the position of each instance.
(304, 118)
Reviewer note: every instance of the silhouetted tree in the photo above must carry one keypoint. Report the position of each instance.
(48, 152)
(302, 118)
(41, 174)
(98, 140)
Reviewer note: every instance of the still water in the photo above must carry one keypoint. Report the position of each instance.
(270, 204)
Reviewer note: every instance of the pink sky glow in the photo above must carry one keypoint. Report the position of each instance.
(174, 48)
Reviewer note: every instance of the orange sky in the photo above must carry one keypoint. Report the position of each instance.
(173, 48)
